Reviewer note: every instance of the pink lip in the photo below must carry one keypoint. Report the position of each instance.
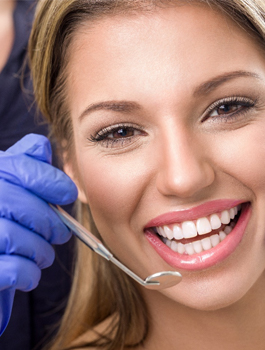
(200, 211)
(207, 258)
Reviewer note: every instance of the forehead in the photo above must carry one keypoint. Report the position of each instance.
(186, 43)
(181, 16)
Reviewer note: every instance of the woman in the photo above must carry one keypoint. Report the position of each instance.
(159, 109)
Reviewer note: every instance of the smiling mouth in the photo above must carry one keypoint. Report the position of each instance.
(194, 237)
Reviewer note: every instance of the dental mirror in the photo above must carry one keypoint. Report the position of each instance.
(159, 280)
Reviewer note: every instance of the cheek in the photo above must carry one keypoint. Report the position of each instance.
(241, 153)
(113, 187)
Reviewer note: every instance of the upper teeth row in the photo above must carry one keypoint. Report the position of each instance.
(202, 226)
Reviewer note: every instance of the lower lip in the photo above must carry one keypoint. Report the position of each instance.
(207, 258)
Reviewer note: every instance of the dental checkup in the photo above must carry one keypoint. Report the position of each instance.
(156, 112)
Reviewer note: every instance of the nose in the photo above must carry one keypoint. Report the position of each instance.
(184, 168)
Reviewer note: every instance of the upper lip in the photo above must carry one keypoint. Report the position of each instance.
(205, 209)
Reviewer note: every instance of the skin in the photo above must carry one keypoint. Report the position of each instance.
(180, 156)
(6, 30)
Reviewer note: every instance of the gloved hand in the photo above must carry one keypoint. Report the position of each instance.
(28, 226)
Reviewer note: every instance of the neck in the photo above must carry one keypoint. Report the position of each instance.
(235, 327)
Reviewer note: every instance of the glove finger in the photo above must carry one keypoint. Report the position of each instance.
(24, 207)
(17, 240)
(18, 273)
(37, 146)
(6, 303)
(42, 179)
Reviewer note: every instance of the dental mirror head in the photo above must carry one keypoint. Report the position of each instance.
(165, 279)
(159, 280)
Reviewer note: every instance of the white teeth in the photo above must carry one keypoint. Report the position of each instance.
(168, 243)
(215, 239)
(222, 235)
(206, 243)
(203, 226)
(181, 248)
(189, 248)
(177, 232)
(197, 246)
(189, 229)
(232, 213)
(215, 221)
(161, 231)
(225, 217)
(168, 232)
(174, 246)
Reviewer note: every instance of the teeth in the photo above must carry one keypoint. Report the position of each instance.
(189, 229)
(215, 239)
(181, 248)
(174, 246)
(189, 248)
(215, 221)
(161, 231)
(201, 226)
(196, 247)
(227, 229)
(232, 224)
(232, 213)
(222, 235)
(206, 243)
(225, 217)
(168, 243)
(168, 232)
(177, 232)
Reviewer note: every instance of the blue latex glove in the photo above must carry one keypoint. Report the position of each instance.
(28, 226)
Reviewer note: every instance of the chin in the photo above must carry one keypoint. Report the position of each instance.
(212, 294)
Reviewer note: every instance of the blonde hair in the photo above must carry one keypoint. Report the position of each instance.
(99, 289)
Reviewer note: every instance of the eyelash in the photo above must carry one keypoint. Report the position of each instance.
(243, 103)
(103, 135)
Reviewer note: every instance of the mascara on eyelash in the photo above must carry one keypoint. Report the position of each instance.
(230, 100)
(244, 101)
(103, 134)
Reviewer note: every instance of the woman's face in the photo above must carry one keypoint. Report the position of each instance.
(168, 112)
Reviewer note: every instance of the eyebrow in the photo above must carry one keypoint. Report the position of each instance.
(202, 89)
(115, 106)
(212, 84)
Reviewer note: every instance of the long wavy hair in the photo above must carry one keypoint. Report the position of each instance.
(99, 289)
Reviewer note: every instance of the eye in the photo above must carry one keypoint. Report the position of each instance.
(117, 135)
(228, 108)
(121, 133)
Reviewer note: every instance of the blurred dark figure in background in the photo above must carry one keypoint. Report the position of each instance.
(35, 314)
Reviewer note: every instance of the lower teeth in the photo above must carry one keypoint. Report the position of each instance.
(199, 245)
